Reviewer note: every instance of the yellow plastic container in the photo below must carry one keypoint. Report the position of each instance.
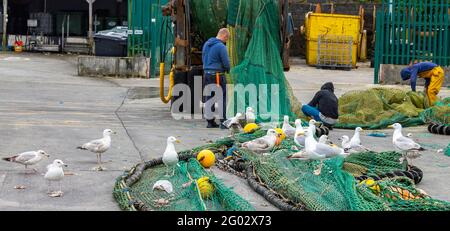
(330, 24)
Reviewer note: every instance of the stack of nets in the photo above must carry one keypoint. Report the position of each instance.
(379, 107)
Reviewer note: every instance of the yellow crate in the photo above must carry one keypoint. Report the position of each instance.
(331, 24)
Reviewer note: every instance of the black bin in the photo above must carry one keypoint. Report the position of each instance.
(112, 43)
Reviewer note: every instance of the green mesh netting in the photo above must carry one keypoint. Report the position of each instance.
(373, 163)
(185, 196)
(379, 107)
(208, 16)
(255, 29)
(439, 113)
(336, 189)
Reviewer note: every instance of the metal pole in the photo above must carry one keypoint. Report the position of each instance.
(90, 35)
(68, 25)
(5, 21)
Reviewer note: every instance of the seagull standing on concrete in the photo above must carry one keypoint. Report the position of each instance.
(99, 146)
(287, 128)
(170, 156)
(408, 146)
(28, 158)
(356, 140)
(55, 172)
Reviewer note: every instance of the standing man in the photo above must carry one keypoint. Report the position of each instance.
(215, 64)
(433, 75)
(324, 106)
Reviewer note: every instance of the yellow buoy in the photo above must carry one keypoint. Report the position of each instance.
(206, 158)
(205, 187)
(250, 128)
(281, 133)
(370, 183)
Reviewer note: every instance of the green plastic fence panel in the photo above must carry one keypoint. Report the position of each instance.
(146, 33)
(412, 30)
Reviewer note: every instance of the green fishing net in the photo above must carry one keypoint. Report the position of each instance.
(439, 113)
(380, 107)
(185, 196)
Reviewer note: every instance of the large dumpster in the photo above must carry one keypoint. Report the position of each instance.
(328, 37)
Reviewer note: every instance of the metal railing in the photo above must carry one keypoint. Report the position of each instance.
(412, 31)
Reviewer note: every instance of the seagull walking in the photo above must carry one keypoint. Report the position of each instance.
(170, 155)
(99, 146)
(55, 172)
(28, 158)
(410, 148)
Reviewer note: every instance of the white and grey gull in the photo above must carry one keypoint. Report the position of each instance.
(98, 147)
(28, 158)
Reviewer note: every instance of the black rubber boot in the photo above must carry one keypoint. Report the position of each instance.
(212, 124)
(221, 124)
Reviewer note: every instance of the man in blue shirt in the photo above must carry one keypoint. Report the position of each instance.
(433, 75)
(215, 64)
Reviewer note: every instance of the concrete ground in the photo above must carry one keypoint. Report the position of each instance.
(45, 105)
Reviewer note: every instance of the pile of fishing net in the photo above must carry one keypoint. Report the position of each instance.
(361, 182)
(255, 29)
(379, 107)
(192, 189)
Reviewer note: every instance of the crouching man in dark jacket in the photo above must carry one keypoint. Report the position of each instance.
(324, 106)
